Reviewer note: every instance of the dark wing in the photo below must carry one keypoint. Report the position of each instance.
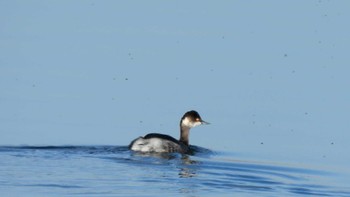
(161, 136)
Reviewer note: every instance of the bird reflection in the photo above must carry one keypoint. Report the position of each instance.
(188, 170)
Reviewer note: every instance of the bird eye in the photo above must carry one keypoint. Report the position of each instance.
(198, 120)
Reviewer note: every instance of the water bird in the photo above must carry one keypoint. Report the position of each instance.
(161, 143)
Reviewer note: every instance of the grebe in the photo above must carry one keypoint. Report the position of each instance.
(155, 142)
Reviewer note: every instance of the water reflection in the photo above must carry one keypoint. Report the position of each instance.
(199, 171)
(190, 174)
(187, 171)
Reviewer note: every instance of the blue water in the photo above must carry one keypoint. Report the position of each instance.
(116, 171)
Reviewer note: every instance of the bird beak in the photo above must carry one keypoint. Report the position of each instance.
(204, 122)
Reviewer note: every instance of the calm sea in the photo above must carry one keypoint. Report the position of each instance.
(116, 171)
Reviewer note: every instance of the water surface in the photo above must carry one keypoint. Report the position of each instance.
(116, 171)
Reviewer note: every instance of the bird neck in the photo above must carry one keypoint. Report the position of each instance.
(184, 134)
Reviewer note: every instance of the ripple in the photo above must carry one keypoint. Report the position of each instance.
(113, 169)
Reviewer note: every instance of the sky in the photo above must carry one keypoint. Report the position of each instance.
(271, 77)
